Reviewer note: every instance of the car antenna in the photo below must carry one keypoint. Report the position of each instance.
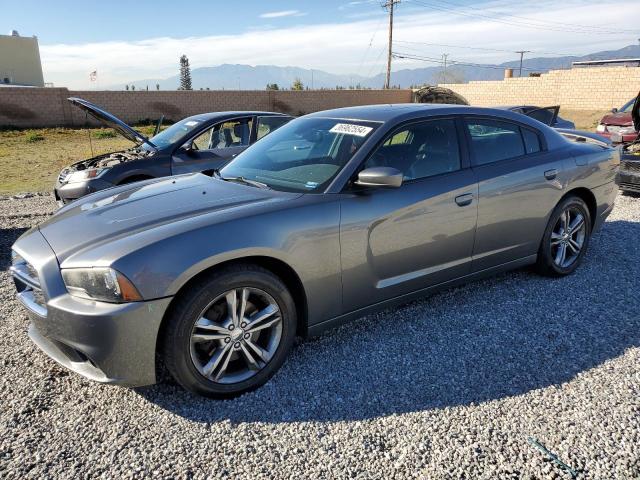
(86, 121)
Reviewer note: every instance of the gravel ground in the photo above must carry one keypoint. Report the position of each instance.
(448, 387)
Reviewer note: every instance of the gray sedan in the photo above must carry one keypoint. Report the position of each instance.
(333, 216)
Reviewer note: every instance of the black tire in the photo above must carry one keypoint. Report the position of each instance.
(546, 263)
(186, 310)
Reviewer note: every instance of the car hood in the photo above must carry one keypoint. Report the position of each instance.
(123, 211)
(111, 121)
(621, 119)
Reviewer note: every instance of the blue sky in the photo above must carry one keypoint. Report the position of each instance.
(126, 41)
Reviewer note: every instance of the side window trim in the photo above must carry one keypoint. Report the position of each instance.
(463, 149)
(470, 118)
(218, 125)
(256, 121)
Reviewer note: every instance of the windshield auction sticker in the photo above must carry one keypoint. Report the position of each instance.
(351, 129)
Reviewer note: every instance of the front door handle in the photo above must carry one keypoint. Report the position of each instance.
(551, 174)
(464, 200)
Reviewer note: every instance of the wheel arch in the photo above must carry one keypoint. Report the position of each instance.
(587, 197)
(276, 266)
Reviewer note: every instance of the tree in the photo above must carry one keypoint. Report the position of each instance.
(272, 86)
(157, 86)
(297, 85)
(133, 87)
(126, 87)
(185, 73)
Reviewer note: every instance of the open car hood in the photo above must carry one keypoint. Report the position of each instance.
(111, 121)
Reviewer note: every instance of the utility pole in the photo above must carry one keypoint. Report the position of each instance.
(389, 4)
(444, 60)
(522, 52)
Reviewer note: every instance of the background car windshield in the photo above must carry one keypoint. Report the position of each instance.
(176, 132)
(302, 156)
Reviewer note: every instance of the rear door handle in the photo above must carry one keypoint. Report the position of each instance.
(551, 174)
(464, 200)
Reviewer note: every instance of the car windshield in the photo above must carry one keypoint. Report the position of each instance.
(302, 156)
(628, 106)
(176, 132)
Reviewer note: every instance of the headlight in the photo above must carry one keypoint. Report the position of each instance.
(87, 174)
(16, 259)
(100, 283)
(601, 128)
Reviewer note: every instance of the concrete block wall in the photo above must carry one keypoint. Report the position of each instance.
(48, 107)
(600, 88)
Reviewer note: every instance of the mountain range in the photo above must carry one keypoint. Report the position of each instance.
(247, 77)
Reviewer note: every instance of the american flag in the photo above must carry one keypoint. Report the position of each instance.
(93, 76)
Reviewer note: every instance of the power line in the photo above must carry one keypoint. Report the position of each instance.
(486, 49)
(542, 22)
(366, 53)
(439, 61)
(510, 22)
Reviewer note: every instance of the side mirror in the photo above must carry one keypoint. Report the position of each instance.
(614, 110)
(380, 177)
(187, 147)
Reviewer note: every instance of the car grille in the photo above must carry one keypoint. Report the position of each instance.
(630, 166)
(28, 285)
(634, 187)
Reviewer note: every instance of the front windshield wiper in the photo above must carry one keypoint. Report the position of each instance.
(246, 181)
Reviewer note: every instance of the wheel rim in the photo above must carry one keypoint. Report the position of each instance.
(567, 237)
(236, 335)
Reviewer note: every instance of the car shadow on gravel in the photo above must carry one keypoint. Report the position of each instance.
(7, 238)
(485, 341)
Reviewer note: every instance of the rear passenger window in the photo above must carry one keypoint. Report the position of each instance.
(493, 140)
(531, 141)
(421, 150)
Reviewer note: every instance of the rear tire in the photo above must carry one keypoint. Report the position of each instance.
(566, 238)
(212, 351)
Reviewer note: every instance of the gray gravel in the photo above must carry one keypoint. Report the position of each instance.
(447, 387)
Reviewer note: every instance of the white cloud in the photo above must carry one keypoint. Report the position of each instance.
(344, 47)
(283, 13)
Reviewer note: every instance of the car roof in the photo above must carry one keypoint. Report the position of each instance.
(216, 116)
(406, 111)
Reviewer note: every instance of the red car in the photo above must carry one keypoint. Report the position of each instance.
(618, 125)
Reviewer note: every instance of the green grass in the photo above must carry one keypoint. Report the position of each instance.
(32, 159)
(107, 133)
(33, 137)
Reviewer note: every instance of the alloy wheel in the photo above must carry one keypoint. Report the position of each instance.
(567, 237)
(236, 335)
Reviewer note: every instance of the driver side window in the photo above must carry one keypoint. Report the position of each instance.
(235, 133)
(420, 150)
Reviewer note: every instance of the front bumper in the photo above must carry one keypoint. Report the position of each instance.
(106, 342)
(68, 192)
(109, 343)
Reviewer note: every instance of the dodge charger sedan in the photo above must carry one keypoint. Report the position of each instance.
(335, 215)
(199, 143)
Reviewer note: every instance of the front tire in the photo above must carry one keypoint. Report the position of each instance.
(565, 239)
(228, 333)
